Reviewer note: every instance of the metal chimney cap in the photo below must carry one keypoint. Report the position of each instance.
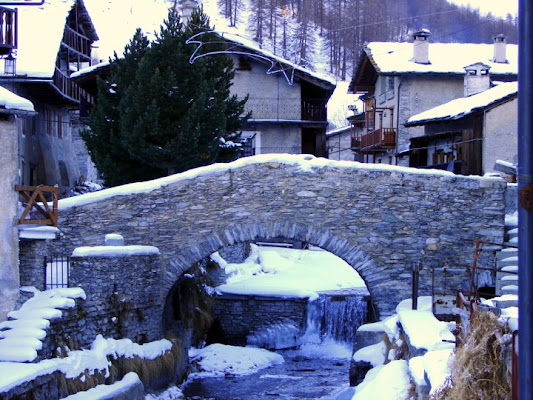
(425, 33)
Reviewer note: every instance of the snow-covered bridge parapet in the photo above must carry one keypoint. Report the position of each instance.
(380, 219)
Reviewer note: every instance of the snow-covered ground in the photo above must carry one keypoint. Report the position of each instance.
(285, 272)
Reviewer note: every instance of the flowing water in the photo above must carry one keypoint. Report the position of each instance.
(317, 369)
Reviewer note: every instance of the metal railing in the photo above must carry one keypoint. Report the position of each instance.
(274, 108)
(56, 272)
(8, 30)
(37, 205)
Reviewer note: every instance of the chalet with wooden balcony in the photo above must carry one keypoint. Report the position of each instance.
(287, 101)
(40, 71)
(399, 80)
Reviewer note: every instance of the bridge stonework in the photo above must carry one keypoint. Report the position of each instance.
(378, 220)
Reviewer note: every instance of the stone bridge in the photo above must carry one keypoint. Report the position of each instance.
(379, 219)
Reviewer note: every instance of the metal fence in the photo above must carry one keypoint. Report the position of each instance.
(56, 272)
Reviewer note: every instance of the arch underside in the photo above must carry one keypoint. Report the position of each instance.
(191, 253)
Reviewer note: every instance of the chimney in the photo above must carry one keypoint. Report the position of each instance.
(477, 78)
(500, 55)
(187, 8)
(421, 46)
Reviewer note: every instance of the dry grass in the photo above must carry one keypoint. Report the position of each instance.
(478, 369)
(152, 373)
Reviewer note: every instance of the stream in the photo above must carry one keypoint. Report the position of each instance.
(317, 369)
(299, 377)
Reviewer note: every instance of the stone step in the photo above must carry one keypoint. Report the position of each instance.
(504, 278)
(512, 233)
(505, 262)
(506, 301)
(510, 289)
(506, 253)
(510, 269)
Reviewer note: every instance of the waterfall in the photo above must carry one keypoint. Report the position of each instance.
(336, 315)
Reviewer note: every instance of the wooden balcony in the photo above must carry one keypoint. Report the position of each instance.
(69, 88)
(37, 210)
(383, 138)
(76, 41)
(8, 30)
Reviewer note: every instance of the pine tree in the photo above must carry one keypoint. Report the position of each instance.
(158, 114)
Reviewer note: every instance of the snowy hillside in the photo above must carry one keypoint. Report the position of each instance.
(116, 22)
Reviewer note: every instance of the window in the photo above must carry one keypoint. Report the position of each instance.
(59, 126)
(28, 126)
(390, 87)
(57, 271)
(63, 173)
(48, 115)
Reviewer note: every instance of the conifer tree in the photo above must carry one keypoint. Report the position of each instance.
(158, 114)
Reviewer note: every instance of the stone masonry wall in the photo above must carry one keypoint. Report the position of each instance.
(378, 220)
(122, 301)
(240, 316)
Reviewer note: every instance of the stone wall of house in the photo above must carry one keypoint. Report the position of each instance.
(123, 300)
(32, 257)
(418, 94)
(9, 268)
(236, 317)
(380, 221)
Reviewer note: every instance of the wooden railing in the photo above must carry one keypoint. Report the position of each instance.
(78, 42)
(69, 88)
(35, 197)
(314, 110)
(384, 138)
(8, 30)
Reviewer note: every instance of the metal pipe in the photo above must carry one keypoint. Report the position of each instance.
(525, 189)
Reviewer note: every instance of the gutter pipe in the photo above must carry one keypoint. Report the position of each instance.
(525, 201)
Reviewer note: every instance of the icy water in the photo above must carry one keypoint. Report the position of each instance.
(298, 378)
(318, 370)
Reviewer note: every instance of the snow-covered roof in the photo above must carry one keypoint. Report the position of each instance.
(254, 47)
(11, 101)
(444, 58)
(393, 58)
(339, 131)
(91, 69)
(459, 108)
(38, 48)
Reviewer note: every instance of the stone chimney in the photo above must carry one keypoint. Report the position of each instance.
(421, 46)
(477, 78)
(500, 54)
(187, 8)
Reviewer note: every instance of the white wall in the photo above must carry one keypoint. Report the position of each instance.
(500, 135)
(9, 270)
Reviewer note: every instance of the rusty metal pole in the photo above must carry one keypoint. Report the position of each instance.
(414, 291)
(525, 206)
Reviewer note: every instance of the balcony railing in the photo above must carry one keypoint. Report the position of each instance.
(77, 42)
(69, 88)
(274, 108)
(383, 138)
(8, 30)
(37, 210)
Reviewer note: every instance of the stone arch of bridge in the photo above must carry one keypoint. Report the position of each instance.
(376, 279)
